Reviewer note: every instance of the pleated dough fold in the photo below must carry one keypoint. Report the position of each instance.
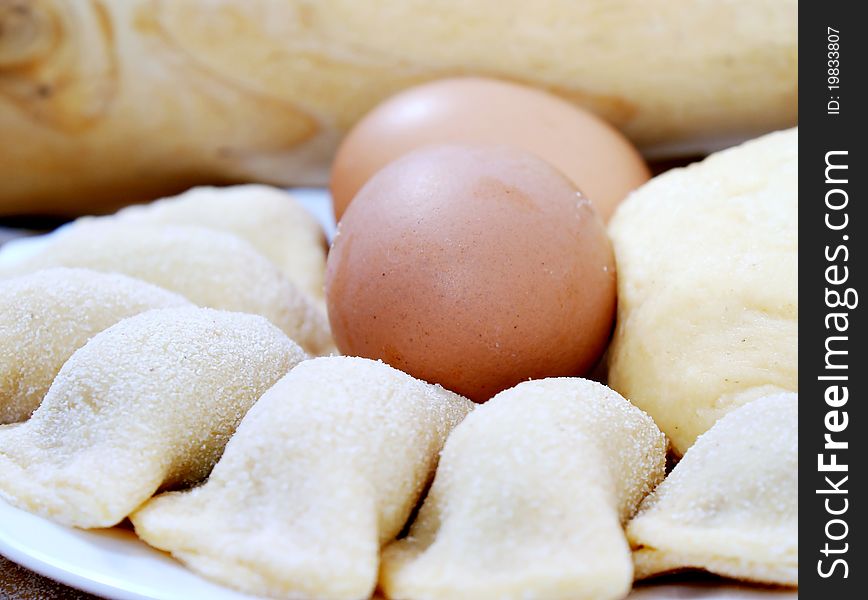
(731, 505)
(48, 315)
(211, 268)
(529, 499)
(322, 471)
(147, 404)
(270, 219)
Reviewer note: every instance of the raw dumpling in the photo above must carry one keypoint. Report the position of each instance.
(731, 505)
(147, 404)
(48, 315)
(270, 219)
(325, 469)
(530, 497)
(707, 262)
(210, 268)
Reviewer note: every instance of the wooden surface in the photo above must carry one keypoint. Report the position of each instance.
(17, 583)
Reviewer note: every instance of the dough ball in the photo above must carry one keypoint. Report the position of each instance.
(270, 219)
(530, 498)
(149, 403)
(211, 268)
(325, 469)
(731, 506)
(707, 261)
(48, 315)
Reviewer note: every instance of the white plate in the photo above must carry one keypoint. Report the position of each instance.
(112, 563)
(115, 564)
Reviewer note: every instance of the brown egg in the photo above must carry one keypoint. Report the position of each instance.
(473, 267)
(594, 155)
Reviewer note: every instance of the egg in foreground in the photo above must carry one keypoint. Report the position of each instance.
(475, 267)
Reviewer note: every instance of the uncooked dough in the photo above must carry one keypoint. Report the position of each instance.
(731, 506)
(147, 404)
(707, 260)
(211, 268)
(271, 220)
(48, 315)
(322, 471)
(529, 499)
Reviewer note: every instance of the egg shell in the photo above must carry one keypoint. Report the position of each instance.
(473, 267)
(593, 154)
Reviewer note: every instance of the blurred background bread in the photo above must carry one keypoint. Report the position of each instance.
(104, 103)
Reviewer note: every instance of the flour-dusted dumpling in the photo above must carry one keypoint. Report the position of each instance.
(325, 469)
(731, 505)
(530, 497)
(209, 267)
(707, 262)
(269, 218)
(48, 315)
(147, 404)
